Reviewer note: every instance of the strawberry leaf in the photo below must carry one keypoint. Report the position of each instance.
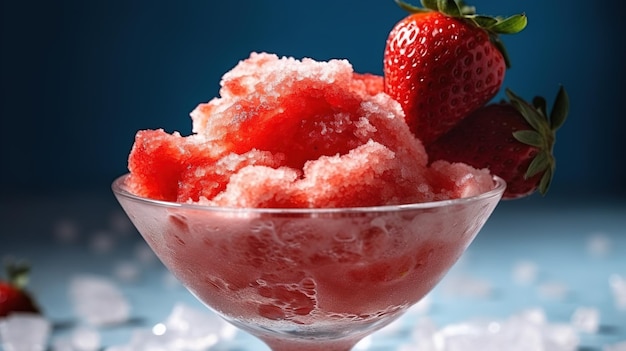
(544, 133)
(529, 137)
(483, 21)
(410, 8)
(453, 8)
(449, 7)
(528, 112)
(545, 181)
(541, 105)
(560, 109)
(458, 9)
(431, 4)
(540, 163)
(17, 273)
(510, 25)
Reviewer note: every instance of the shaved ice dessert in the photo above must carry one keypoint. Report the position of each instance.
(302, 209)
(286, 133)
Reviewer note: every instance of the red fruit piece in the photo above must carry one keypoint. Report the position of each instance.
(514, 140)
(13, 297)
(442, 62)
(171, 167)
(302, 109)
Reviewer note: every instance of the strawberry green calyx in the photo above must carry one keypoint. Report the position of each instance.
(457, 8)
(13, 294)
(17, 274)
(543, 134)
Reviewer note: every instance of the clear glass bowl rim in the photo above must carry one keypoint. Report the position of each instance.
(119, 189)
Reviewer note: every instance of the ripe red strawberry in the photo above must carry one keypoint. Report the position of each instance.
(13, 297)
(514, 140)
(443, 61)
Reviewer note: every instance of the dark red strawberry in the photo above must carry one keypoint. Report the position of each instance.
(13, 296)
(443, 61)
(514, 140)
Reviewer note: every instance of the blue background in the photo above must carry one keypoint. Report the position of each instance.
(79, 78)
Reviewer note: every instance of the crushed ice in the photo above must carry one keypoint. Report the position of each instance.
(24, 332)
(524, 331)
(525, 272)
(618, 288)
(185, 329)
(598, 244)
(198, 329)
(619, 346)
(127, 271)
(467, 285)
(586, 319)
(82, 338)
(98, 301)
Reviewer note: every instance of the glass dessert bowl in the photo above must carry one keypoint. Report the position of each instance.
(309, 279)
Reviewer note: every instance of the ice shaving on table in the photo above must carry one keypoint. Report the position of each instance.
(291, 133)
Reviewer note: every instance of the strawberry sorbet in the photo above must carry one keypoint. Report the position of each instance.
(288, 133)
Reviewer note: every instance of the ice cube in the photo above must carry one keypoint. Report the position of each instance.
(422, 335)
(537, 316)
(598, 244)
(620, 346)
(461, 336)
(523, 331)
(520, 332)
(62, 343)
(127, 271)
(24, 332)
(196, 330)
(536, 333)
(98, 301)
(618, 288)
(560, 337)
(144, 340)
(185, 329)
(586, 319)
(466, 285)
(84, 338)
(525, 272)
(122, 348)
